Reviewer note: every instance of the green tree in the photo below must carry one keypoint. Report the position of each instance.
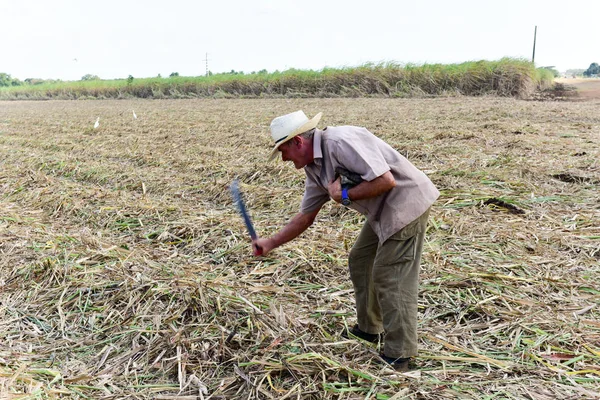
(130, 79)
(173, 74)
(90, 77)
(34, 81)
(7, 80)
(594, 69)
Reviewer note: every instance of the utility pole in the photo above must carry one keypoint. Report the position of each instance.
(206, 59)
(534, 37)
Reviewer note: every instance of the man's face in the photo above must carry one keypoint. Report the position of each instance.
(294, 150)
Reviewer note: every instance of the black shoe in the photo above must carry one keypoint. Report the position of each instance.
(399, 364)
(356, 332)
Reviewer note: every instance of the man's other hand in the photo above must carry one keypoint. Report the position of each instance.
(335, 190)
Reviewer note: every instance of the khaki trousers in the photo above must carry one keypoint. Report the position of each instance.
(386, 285)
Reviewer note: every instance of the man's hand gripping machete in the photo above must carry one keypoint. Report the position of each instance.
(237, 198)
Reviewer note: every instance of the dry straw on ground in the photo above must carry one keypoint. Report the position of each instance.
(126, 272)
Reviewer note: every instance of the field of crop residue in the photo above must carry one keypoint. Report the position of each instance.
(126, 272)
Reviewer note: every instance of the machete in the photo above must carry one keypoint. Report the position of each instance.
(237, 198)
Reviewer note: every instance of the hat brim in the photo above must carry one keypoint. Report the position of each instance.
(307, 126)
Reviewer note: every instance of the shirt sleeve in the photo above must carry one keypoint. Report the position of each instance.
(314, 196)
(361, 154)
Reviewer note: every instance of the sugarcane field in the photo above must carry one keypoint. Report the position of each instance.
(127, 272)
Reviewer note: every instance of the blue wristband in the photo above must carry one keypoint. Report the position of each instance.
(345, 199)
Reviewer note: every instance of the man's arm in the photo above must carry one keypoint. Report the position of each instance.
(364, 190)
(292, 230)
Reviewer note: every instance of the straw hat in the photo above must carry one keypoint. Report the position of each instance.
(287, 126)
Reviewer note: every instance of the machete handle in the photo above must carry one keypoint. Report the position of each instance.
(349, 179)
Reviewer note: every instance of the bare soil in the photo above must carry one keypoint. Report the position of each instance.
(586, 89)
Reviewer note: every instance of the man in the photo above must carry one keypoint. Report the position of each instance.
(395, 197)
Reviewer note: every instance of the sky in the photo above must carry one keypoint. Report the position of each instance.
(67, 39)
